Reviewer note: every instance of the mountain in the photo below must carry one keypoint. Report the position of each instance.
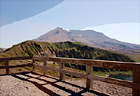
(91, 38)
(63, 49)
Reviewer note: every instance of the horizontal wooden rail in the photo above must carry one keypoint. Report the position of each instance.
(116, 81)
(2, 67)
(98, 63)
(15, 66)
(24, 65)
(15, 58)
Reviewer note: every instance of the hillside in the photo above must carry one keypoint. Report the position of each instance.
(29, 48)
(91, 38)
(62, 49)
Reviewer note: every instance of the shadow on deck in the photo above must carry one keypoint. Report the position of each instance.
(54, 87)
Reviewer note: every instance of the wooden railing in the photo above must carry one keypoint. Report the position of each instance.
(132, 66)
(8, 66)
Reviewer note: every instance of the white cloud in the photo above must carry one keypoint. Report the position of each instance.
(126, 32)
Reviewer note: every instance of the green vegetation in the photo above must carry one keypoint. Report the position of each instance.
(68, 50)
(28, 48)
(63, 49)
(78, 50)
(100, 73)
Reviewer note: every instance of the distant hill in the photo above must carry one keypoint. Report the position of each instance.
(29, 48)
(63, 49)
(91, 38)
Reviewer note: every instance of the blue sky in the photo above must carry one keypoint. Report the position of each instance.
(118, 19)
(15, 10)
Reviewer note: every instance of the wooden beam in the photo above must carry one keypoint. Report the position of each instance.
(2, 67)
(116, 82)
(33, 68)
(15, 58)
(24, 65)
(7, 67)
(61, 67)
(97, 63)
(136, 79)
(45, 64)
(89, 82)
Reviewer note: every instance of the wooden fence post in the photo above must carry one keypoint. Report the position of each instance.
(7, 67)
(136, 79)
(61, 66)
(45, 63)
(33, 61)
(89, 82)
